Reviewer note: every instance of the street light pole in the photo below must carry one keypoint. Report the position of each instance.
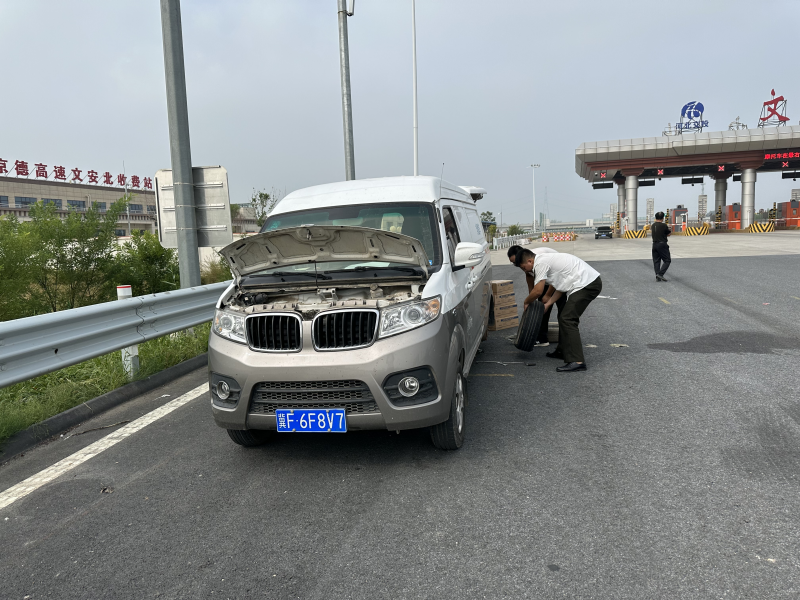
(180, 151)
(347, 106)
(414, 53)
(533, 170)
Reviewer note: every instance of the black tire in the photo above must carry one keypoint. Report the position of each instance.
(529, 326)
(250, 438)
(450, 434)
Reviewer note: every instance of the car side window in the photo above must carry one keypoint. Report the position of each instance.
(451, 232)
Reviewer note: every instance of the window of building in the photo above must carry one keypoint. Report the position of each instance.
(135, 208)
(54, 201)
(77, 204)
(119, 232)
(100, 206)
(20, 201)
(151, 208)
(4, 201)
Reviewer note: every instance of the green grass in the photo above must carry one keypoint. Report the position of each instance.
(32, 401)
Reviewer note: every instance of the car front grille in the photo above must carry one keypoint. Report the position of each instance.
(344, 329)
(274, 332)
(350, 394)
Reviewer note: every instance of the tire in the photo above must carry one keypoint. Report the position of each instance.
(529, 326)
(250, 438)
(450, 434)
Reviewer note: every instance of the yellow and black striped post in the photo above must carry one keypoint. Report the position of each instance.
(632, 234)
(761, 227)
(719, 217)
(702, 230)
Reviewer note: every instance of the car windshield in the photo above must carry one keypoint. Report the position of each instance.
(412, 219)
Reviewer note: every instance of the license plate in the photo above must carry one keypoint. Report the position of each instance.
(321, 420)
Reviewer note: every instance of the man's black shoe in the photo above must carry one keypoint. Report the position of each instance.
(555, 354)
(661, 278)
(573, 366)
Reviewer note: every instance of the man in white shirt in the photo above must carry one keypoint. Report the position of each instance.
(541, 339)
(569, 276)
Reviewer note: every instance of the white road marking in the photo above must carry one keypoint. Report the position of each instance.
(34, 482)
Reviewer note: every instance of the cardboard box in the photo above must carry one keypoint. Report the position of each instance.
(500, 312)
(505, 299)
(504, 323)
(502, 286)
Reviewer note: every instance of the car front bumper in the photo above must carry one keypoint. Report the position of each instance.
(428, 346)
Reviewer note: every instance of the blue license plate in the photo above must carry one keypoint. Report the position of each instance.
(321, 420)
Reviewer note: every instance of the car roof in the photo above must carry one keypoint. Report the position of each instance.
(372, 191)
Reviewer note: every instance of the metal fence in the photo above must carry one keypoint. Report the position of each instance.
(36, 345)
(507, 242)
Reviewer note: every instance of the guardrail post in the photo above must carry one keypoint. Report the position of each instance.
(130, 355)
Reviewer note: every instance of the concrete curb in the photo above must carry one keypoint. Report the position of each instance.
(38, 433)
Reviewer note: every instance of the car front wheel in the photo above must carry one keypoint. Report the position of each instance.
(450, 434)
(250, 438)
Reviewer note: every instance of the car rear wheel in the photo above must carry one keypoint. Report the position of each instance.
(250, 438)
(450, 434)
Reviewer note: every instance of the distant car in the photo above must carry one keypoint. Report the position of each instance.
(603, 231)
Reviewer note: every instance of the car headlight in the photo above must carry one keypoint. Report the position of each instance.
(229, 325)
(404, 317)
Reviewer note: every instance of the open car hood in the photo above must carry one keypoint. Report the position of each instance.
(324, 243)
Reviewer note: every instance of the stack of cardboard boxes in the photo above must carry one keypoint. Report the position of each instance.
(504, 314)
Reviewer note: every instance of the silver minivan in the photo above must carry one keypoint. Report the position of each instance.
(359, 305)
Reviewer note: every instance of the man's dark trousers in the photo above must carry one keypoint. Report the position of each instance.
(661, 257)
(569, 317)
(546, 317)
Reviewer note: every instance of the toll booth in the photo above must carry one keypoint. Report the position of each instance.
(790, 211)
(732, 213)
(676, 217)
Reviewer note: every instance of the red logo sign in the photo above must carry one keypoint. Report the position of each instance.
(771, 107)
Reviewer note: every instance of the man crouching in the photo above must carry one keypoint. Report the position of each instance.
(566, 275)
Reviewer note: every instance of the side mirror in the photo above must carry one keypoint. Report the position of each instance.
(468, 255)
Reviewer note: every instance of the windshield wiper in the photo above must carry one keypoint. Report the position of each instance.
(361, 269)
(289, 274)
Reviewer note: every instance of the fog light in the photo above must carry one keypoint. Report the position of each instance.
(223, 390)
(408, 386)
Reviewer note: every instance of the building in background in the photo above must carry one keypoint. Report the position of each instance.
(17, 194)
(677, 217)
(651, 211)
(702, 206)
(613, 209)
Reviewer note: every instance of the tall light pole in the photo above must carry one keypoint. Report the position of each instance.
(533, 170)
(180, 150)
(347, 106)
(414, 54)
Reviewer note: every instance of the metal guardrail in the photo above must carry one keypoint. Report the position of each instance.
(36, 345)
(507, 242)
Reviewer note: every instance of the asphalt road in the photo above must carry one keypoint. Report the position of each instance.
(671, 469)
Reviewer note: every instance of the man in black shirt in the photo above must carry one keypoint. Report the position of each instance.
(661, 258)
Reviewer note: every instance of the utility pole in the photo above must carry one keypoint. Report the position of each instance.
(414, 53)
(347, 105)
(533, 170)
(180, 151)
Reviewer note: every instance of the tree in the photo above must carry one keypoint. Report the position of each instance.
(262, 204)
(488, 217)
(514, 230)
(146, 265)
(16, 248)
(73, 259)
(492, 231)
(235, 208)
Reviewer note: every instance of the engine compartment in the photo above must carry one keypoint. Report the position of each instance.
(312, 301)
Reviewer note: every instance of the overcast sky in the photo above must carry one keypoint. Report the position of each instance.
(502, 84)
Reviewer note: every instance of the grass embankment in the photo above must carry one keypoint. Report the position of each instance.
(32, 401)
